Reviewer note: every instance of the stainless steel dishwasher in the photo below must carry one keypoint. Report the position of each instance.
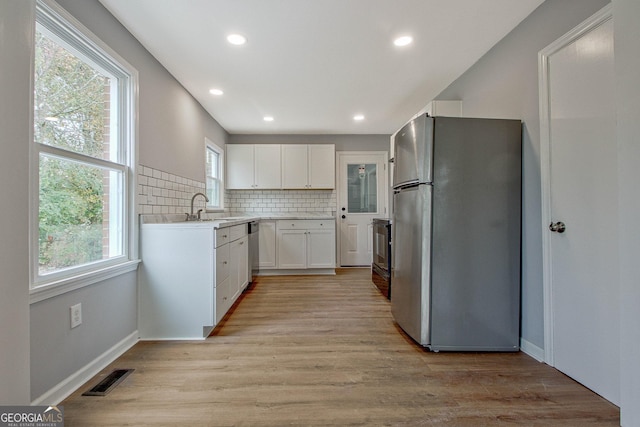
(254, 249)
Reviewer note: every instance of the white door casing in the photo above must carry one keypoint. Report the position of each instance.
(579, 189)
(355, 229)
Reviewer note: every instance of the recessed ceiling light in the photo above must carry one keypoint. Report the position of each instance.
(403, 41)
(268, 118)
(237, 39)
(216, 92)
(358, 117)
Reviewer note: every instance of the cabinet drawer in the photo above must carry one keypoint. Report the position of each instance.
(237, 231)
(223, 300)
(222, 236)
(222, 263)
(306, 224)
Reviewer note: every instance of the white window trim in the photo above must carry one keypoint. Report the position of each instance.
(81, 276)
(215, 147)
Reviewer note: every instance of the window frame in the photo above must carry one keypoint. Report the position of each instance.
(55, 21)
(210, 145)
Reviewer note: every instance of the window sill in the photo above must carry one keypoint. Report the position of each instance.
(69, 284)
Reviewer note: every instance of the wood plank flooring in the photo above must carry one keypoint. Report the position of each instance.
(324, 350)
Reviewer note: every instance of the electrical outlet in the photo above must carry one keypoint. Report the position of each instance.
(76, 315)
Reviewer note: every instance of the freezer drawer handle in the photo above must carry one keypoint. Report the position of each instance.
(557, 227)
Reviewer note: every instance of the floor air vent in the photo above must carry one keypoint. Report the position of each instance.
(109, 383)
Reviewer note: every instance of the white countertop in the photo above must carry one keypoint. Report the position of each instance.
(231, 219)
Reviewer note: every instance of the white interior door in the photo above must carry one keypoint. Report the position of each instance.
(362, 196)
(579, 162)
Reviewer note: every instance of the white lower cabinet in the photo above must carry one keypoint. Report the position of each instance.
(292, 249)
(306, 244)
(191, 274)
(238, 269)
(321, 251)
(267, 245)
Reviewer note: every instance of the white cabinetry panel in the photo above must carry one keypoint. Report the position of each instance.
(292, 249)
(191, 274)
(267, 245)
(251, 167)
(294, 166)
(308, 166)
(267, 166)
(240, 166)
(322, 166)
(321, 248)
(306, 244)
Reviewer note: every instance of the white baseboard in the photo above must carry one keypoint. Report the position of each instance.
(532, 350)
(61, 391)
(298, 272)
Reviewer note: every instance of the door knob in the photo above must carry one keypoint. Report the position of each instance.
(557, 227)
(344, 209)
(344, 216)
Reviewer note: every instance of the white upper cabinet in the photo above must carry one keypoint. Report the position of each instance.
(240, 168)
(294, 166)
(322, 166)
(444, 108)
(251, 167)
(267, 166)
(308, 166)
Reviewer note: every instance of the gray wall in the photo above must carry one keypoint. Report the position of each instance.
(16, 45)
(343, 142)
(504, 83)
(172, 128)
(172, 124)
(627, 46)
(109, 314)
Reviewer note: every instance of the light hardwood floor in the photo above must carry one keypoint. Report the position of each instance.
(324, 350)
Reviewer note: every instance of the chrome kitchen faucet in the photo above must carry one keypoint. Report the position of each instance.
(195, 217)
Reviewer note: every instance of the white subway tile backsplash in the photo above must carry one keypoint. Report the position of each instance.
(164, 193)
(161, 192)
(282, 201)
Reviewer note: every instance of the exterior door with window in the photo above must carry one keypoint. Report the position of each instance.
(362, 196)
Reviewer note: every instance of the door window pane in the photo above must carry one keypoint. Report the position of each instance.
(362, 188)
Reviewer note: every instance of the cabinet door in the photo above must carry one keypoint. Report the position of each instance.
(294, 166)
(292, 249)
(267, 245)
(240, 166)
(268, 166)
(223, 300)
(243, 263)
(321, 249)
(222, 263)
(239, 266)
(322, 166)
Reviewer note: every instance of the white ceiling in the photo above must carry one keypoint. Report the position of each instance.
(314, 64)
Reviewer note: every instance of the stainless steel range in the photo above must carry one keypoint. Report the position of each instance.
(381, 266)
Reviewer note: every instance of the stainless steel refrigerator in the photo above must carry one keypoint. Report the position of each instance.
(456, 233)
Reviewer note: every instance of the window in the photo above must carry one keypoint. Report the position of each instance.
(83, 139)
(215, 172)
